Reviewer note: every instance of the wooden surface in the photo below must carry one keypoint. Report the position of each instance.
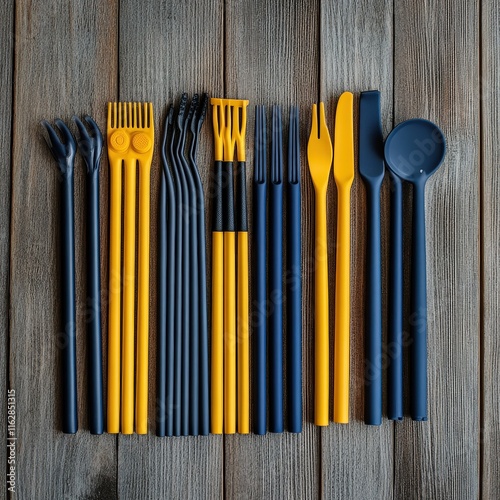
(431, 59)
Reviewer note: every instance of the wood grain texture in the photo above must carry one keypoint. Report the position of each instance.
(271, 58)
(436, 77)
(65, 56)
(167, 48)
(356, 460)
(6, 96)
(490, 238)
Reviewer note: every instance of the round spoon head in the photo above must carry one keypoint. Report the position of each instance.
(415, 149)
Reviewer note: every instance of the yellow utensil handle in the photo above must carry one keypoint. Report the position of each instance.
(229, 333)
(217, 380)
(143, 302)
(128, 298)
(342, 309)
(115, 225)
(243, 348)
(321, 416)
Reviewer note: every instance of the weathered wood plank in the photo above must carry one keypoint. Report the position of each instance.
(436, 77)
(490, 97)
(65, 63)
(165, 49)
(271, 58)
(356, 55)
(6, 71)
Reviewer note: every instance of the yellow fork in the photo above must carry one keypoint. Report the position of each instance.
(319, 156)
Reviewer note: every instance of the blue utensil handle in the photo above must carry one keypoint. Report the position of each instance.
(294, 309)
(161, 369)
(68, 337)
(418, 311)
(395, 323)
(260, 328)
(373, 327)
(94, 338)
(276, 308)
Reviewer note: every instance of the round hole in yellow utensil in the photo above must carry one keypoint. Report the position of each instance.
(141, 142)
(119, 141)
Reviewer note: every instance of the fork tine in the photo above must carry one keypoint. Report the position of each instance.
(322, 119)
(125, 115)
(150, 108)
(129, 114)
(109, 115)
(139, 115)
(314, 123)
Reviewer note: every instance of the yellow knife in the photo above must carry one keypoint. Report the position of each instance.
(343, 172)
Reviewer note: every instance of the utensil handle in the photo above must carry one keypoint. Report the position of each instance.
(217, 380)
(418, 311)
(321, 346)
(276, 308)
(128, 298)
(68, 338)
(260, 304)
(229, 333)
(161, 359)
(395, 324)
(373, 326)
(114, 307)
(294, 309)
(96, 417)
(342, 309)
(243, 350)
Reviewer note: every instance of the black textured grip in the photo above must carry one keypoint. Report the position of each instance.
(241, 198)
(218, 224)
(228, 196)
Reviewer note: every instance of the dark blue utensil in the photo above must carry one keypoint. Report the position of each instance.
(185, 217)
(372, 169)
(260, 252)
(180, 282)
(294, 277)
(395, 323)
(64, 154)
(276, 276)
(413, 151)
(168, 299)
(90, 147)
(196, 123)
(191, 214)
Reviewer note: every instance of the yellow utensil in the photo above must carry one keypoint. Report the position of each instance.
(343, 172)
(229, 276)
(319, 156)
(115, 227)
(241, 226)
(142, 143)
(217, 375)
(130, 140)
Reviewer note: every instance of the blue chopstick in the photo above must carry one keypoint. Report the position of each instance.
(294, 277)
(276, 276)
(260, 252)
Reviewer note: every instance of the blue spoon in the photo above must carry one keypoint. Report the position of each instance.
(413, 151)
